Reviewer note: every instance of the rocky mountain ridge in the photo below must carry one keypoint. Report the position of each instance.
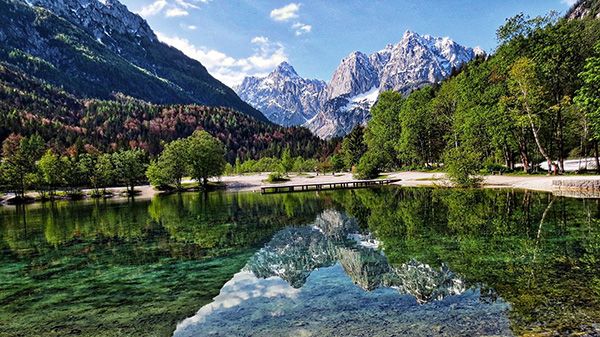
(97, 48)
(283, 97)
(345, 101)
(584, 9)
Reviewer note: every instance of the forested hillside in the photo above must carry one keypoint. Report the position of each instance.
(521, 106)
(29, 106)
(94, 49)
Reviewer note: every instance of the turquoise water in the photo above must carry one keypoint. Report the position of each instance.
(356, 263)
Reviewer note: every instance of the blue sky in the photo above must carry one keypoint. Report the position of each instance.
(236, 38)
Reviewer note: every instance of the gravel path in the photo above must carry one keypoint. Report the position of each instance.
(253, 182)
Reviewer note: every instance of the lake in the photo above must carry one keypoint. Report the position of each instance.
(371, 262)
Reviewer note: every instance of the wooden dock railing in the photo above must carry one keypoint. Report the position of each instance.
(325, 186)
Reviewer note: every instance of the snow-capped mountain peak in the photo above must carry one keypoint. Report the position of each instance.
(283, 96)
(285, 69)
(415, 61)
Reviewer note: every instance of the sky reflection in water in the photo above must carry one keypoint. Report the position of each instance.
(330, 280)
(454, 262)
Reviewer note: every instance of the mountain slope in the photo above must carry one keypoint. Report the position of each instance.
(30, 106)
(334, 109)
(284, 97)
(583, 9)
(414, 62)
(96, 48)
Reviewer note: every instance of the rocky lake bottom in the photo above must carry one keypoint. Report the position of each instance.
(373, 262)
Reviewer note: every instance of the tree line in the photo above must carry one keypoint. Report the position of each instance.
(536, 99)
(288, 163)
(29, 106)
(28, 164)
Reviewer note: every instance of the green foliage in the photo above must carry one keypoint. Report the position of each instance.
(105, 172)
(28, 107)
(337, 163)
(353, 147)
(287, 162)
(588, 96)
(462, 166)
(51, 171)
(419, 137)
(383, 129)
(304, 165)
(275, 177)
(129, 168)
(171, 166)
(514, 106)
(523, 26)
(369, 166)
(206, 156)
(272, 164)
(229, 170)
(158, 175)
(19, 155)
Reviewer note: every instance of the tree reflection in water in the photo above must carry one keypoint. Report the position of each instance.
(320, 266)
(429, 261)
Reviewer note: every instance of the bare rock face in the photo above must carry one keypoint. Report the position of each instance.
(355, 75)
(414, 62)
(584, 9)
(422, 60)
(284, 97)
(99, 18)
(97, 48)
(345, 102)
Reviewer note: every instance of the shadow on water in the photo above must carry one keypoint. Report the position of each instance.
(364, 262)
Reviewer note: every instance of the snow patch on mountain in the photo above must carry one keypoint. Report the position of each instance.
(284, 97)
(336, 108)
(361, 100)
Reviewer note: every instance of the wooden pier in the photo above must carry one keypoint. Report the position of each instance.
(325, 186)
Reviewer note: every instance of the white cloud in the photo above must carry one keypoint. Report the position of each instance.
(186, 4)
(189, 27)
(301, 28)
(289, 12)
(285, 13)
(170, 8)
(229, 70)
(174, 12)
(153, 8)
(568, 2)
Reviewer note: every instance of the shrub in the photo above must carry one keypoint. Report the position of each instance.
(368, 166)
(275, 177)
(462, 167)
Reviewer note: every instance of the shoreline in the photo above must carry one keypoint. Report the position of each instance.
(253, 183)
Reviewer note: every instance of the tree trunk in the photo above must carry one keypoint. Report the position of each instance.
(524, 156)
(535, 131)
(540, 146)
(204, 183)
(561, 145)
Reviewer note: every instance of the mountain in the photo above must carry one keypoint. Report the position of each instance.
(96, 48)
(284, 97)
(583, 9)
(414, 62)
(30, 106)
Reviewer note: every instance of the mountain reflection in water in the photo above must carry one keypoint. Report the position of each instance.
(329, 279)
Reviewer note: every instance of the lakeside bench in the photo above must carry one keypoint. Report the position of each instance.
(287, 188)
